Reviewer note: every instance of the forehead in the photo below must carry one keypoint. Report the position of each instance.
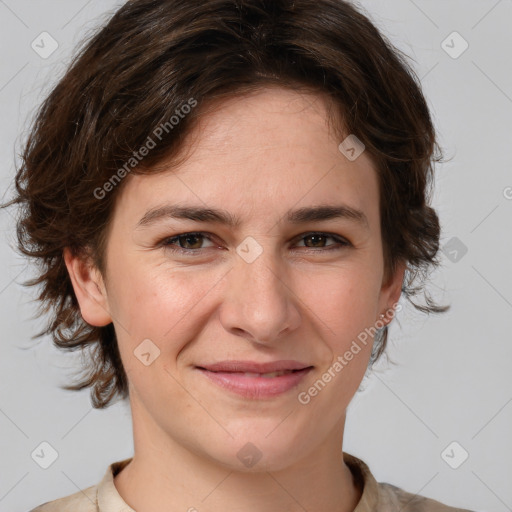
(259, 154)
(272, 122)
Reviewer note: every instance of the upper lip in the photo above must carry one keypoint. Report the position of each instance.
(254, 367)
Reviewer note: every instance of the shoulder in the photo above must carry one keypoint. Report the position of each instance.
(392, 498)
(81, 501)
(385, 497)
(102, 496)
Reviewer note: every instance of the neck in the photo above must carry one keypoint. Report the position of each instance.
(165, 474)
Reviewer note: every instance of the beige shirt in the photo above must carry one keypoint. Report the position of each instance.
(376, 497)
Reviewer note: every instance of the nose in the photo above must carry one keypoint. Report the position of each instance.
(258, 302)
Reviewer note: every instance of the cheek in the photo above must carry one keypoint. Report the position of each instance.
(346, 309)
(344, 299)
(152, 302)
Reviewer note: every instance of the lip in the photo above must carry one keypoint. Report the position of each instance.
(230, 375)
(253, 366)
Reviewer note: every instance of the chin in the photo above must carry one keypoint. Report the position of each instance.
(258, 451)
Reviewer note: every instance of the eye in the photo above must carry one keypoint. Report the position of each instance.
(192, 243)
(319, 239)
(187, 242)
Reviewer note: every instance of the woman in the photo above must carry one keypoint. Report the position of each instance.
(228, 199)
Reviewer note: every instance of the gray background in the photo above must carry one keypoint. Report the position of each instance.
(453, 379)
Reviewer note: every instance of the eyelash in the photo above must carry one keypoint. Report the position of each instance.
(167, 243)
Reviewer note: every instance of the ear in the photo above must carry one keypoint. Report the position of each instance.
(392, 288)
(89, 289)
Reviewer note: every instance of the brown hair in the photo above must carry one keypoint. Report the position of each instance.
(155, 56)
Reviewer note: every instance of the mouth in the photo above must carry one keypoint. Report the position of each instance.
(256, 380)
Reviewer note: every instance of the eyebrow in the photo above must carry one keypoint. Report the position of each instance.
(219, 216)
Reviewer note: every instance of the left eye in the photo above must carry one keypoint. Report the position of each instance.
(188, 243)
(319, 238)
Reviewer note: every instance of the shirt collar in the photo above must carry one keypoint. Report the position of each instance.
(370, 495)
(109, 499)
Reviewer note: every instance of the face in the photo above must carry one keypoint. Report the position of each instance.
(286, 283)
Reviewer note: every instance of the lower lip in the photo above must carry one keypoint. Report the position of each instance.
(256, 387)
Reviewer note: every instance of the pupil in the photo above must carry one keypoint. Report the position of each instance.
(191, 237)
(318, 238)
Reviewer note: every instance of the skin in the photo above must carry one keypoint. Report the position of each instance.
(257, 156)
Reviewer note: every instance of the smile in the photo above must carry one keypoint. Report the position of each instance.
(253, 384)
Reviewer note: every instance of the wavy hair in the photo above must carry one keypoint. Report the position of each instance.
(142, 65)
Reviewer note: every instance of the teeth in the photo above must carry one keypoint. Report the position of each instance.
(267, 375)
